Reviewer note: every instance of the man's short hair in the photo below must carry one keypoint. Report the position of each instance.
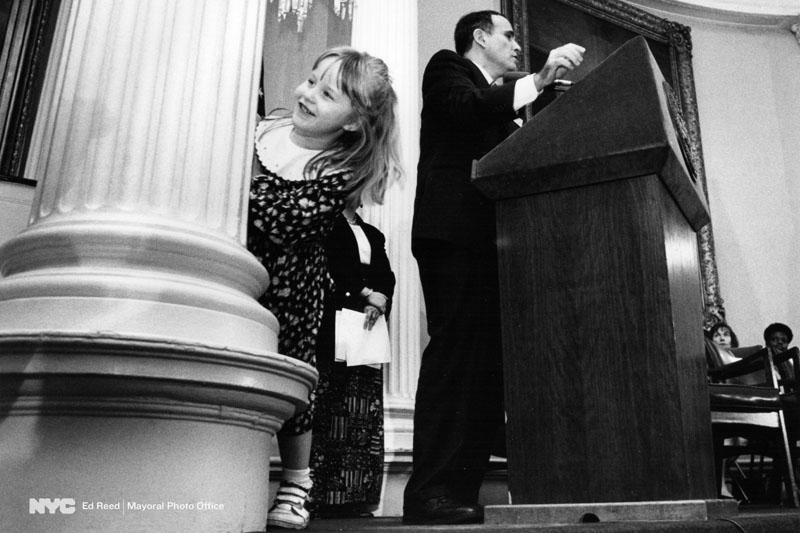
(468, 24)
(775, 327)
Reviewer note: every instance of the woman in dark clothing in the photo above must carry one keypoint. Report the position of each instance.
(347, 448)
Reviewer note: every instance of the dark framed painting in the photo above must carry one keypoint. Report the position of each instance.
(602, 26)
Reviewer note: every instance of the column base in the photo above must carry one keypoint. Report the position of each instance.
(133, 474)
(119, 434)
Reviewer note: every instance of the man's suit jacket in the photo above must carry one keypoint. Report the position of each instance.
(462, 119)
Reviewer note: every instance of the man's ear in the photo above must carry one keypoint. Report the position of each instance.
(479, 36)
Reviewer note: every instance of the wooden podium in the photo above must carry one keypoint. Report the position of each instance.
(601, 301)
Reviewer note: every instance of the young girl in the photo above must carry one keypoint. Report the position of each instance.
(338, 149)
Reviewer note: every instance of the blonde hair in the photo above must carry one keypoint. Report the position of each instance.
(370, 152)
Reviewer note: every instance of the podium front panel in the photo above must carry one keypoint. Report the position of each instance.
(601, 307)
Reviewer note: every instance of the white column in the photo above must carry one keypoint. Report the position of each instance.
(389, 31)
(137, 366)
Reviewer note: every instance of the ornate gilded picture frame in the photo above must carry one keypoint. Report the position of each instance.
(673, 45)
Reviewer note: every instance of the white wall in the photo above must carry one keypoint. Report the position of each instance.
(749, 101)
(747, 80)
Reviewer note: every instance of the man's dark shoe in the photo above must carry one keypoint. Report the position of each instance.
(441, 511)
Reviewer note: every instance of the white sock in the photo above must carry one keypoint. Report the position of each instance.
(299, 477)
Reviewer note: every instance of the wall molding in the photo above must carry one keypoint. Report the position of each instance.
(780, 14)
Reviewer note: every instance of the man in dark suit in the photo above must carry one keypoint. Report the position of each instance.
(465, 114)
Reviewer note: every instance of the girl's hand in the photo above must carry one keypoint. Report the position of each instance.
(378, 300)
(373, 313)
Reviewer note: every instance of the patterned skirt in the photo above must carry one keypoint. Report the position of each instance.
(347, 446)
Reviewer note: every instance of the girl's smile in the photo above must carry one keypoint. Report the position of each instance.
(304, 109)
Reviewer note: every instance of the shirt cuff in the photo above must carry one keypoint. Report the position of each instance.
(525, 92)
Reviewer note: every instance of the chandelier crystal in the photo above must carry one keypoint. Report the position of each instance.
(300, 8)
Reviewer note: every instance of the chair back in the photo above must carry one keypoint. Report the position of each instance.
(787, 362)
(749, 365)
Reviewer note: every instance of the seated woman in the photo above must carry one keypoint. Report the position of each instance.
(726, 346)
(724, 337)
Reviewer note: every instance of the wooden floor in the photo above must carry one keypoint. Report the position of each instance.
(751, 520)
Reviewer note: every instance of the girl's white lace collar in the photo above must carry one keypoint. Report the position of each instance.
(278, 153)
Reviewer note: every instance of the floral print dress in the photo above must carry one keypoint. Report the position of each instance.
(287, 222)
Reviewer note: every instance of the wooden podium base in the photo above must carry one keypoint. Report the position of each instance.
(578, 513)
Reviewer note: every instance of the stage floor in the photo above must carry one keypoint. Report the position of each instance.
(750, 519)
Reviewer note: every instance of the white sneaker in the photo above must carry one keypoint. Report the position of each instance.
(289, 510)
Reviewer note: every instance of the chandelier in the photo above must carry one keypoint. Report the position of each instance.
(300, 8)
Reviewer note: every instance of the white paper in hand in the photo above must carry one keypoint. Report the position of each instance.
(359, 346)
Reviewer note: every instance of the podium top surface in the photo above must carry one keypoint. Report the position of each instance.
(620, 121)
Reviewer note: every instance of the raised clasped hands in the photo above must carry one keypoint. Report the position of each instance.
(560, 61)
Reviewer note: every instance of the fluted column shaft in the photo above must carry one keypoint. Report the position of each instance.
(157, 94)
(142, 155)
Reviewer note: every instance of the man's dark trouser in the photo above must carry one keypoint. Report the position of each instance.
(459, 402)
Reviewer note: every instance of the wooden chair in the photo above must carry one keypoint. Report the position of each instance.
(747, 416)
